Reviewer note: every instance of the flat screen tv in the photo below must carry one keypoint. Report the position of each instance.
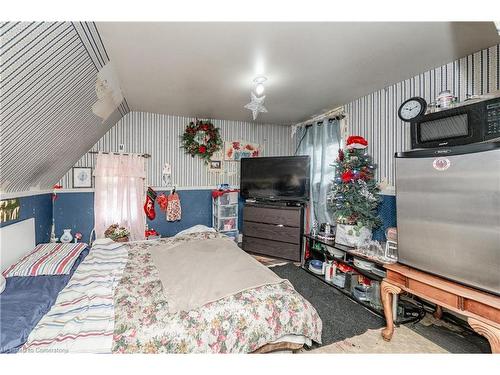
(282, 178)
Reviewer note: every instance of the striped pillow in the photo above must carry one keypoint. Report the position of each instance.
(47, 259)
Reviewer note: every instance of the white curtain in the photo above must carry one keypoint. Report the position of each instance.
(119, 194)
(321, 142)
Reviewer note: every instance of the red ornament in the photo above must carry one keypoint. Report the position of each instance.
(347, 176)
(202, 149)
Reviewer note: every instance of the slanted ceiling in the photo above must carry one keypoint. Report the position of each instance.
(47, 88)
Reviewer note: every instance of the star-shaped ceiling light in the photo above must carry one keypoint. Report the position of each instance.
(256, 105)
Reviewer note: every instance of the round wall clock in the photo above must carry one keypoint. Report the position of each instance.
(412, 108)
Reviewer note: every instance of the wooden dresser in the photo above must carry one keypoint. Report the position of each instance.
(275, 231)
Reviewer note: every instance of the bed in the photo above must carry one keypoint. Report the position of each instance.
(25, 301)
(123, 308)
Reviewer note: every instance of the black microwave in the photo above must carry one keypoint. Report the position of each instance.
(471, 123)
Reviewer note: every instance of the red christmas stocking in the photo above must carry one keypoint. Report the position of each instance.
(149, 206)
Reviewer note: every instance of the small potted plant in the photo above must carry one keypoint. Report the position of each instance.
(117, 233)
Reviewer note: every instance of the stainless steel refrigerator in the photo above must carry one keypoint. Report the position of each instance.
(448, 213)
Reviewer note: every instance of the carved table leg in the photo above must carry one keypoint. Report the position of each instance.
(386, 292)
(438, 314)
(488, 331)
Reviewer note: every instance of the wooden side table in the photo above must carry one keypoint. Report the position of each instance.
(481, 309)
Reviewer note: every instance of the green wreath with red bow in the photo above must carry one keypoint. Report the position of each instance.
(201, 138)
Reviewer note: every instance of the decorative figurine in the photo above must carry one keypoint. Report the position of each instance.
(314, 229)
(66, 236)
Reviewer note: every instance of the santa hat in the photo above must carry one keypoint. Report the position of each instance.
(356, 141)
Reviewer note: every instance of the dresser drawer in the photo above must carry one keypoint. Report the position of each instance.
(275, 249)
(289, 217)
(271, 232)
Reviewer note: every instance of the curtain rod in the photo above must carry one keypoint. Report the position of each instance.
(119, 153)
(334, 113)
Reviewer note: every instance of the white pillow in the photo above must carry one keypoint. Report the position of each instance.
(196, 229)
(102, 241)
(2, 283)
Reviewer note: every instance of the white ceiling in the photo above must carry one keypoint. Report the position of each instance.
(206, 69)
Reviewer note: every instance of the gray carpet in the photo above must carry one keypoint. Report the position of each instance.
(342, 318)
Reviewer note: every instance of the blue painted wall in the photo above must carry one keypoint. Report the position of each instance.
(76, 211)
(196, 209)
(387, 213)
(39, 207)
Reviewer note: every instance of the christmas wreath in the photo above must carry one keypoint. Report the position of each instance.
(201, 138)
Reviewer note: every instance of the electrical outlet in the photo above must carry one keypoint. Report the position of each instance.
(121, 147)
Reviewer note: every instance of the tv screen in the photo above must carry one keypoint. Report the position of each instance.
(284, 178)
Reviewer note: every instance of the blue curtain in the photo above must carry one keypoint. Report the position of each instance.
(321, 142)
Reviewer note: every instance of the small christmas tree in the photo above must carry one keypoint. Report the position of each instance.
(354, 196)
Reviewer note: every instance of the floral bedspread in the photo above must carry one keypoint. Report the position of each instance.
(241, 323)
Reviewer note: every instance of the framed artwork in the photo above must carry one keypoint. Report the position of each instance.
(235, 150)
(82, 177)
(215, 163)
(9, 210)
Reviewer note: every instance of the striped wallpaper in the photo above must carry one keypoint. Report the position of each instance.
(374, 116)
(48, 74)
(159, 135)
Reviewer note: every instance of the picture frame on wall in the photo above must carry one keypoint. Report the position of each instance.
(9, 209)
(82, 177)
(216, 164)
(236, 150)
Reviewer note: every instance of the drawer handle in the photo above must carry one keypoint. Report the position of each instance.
(280, 225)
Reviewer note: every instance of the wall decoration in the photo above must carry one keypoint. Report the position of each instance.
(215, 166)
(201, 138)
(235, 150)
(164, 147)
(174, 207)
(149, 206)
(9, 210)
(166, 174)
(82, 177)
(256, 105)
(216, 163)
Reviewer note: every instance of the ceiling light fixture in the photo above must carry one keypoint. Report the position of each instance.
(259, 85)
(256, 105)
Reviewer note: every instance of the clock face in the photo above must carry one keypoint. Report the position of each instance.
(412, 108)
